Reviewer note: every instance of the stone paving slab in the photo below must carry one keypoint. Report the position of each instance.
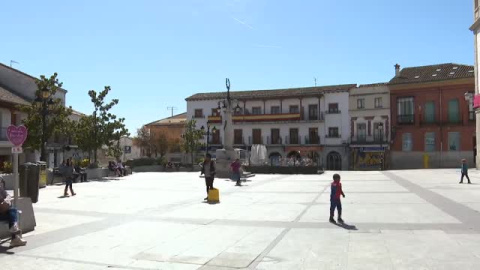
(413, 219)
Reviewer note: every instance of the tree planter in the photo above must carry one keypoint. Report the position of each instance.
(96, 174)
(8, 181)
(27, 219)
(149, 168)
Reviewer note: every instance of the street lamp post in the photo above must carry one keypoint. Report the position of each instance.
(208, 135)
(380, 131)
(45, 101)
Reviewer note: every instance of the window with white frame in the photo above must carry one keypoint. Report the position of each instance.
(361, 131)
(275, 110)
(361, 103)
(378, 102)
(256, 110)
(405, 110)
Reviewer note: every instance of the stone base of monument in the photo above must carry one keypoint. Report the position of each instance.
(223, 160)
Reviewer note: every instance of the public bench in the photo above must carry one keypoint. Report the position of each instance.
(26, 219)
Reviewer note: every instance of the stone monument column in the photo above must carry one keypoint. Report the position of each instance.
(225, 156)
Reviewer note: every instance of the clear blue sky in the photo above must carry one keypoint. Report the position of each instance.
(156, 53)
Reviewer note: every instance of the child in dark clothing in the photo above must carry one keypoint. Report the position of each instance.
(336, 192)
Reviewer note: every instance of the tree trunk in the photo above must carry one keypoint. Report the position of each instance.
(192, 161)
(95, 136)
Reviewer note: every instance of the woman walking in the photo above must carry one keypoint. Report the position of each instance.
(68, 171)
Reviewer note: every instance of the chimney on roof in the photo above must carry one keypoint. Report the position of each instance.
(397, 70)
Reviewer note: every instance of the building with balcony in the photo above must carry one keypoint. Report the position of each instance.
(9, 115)
(370, 126)
(475, 28)
(19, 88)
(433, 122)
(308, 122)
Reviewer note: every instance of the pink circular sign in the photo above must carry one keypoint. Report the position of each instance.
(17, 135)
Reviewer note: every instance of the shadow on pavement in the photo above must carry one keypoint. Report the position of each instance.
(347, 226)
(207, 202)
(5, 250)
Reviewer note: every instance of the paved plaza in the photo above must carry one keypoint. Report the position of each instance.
(415, 219)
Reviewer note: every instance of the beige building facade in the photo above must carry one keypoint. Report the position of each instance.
(369, 109)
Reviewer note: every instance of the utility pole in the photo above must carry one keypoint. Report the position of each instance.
(172, 109)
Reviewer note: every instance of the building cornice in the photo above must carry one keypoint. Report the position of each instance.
(475, 25)
(369, 94)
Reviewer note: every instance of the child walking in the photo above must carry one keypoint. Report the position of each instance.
(335, 193)
(464, 171)
(235, 166)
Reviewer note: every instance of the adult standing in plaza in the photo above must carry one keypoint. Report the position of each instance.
(208, 169)
(10, 214)
(68, 171)
(235, 166)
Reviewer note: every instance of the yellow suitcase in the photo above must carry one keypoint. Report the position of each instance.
(214, 196)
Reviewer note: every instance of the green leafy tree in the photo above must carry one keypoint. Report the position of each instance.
(106, 129)
(46, 119)
(174, 145)
(191, 139)
(144, 140)
(161, 144)
(84, 133)
(115, 151)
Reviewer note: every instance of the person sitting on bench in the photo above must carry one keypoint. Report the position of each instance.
(81, 172)
(10, 214)
(112, 166)
(121, 168)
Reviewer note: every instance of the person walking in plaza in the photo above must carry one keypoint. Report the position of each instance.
(68, 171)
(235, 166)
(464, 171)
(335, 202)
(10, 214)
(208, 169)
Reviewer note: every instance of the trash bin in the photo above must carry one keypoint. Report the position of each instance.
(29, 176)
(42, 166)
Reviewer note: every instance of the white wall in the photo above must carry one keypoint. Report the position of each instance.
(135, 153)
(342, 120)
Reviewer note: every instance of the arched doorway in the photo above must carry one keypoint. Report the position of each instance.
(275, 158)
(334, 161)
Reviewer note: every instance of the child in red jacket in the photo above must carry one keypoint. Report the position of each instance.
(336, 192)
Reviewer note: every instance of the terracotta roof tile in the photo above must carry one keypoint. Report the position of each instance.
(433, 73)
(276, 93)
(372, 85)
(176, 119)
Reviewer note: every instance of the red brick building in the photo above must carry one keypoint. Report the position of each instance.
(432, 113)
